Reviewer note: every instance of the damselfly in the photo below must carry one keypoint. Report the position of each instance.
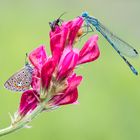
(121, 47)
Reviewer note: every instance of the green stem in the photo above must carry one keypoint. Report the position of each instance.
(23, 122)
(27, 118)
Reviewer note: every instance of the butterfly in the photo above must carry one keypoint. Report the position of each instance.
(21, 80)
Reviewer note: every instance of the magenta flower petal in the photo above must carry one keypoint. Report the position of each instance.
(71, 94)
(73, 82)
(66, 98)
(67, 63)
(58, 41)
(38, 57)
(29, 101)
(90, 51)
(74, 26)
(35, 84)
(46, 72)
(55, 32)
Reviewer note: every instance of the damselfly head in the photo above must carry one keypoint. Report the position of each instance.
(85, 14)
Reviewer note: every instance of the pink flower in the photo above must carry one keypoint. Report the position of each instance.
(90, 51)
(57, 41)
(73, 26)
(54, 77)
(47, 72)
(29, 101)
(70, 95)
(67, 63)
(64, 36)
(38, 57)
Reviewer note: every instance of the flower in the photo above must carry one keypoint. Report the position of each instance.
(29, 101)
(71, 93)
(90, 51)
(54, 80)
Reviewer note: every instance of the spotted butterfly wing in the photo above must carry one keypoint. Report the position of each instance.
(21, 80)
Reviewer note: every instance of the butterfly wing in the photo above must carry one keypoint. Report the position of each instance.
(20, 81)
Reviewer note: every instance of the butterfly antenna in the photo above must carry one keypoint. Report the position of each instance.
(26, 59)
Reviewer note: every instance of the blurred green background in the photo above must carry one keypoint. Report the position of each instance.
(109, 95)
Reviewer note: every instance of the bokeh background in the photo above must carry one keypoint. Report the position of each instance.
(109, 96)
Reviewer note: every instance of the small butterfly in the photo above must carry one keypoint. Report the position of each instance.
(21, 80)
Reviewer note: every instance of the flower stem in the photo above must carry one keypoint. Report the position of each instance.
(22, 123)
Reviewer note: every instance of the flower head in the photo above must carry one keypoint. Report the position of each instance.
(54, 80)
